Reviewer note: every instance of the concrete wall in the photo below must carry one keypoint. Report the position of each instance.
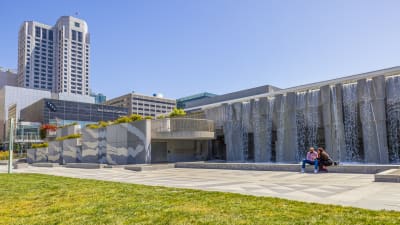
(186, 150)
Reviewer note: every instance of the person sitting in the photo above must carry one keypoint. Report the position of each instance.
(312, 159)
(324, 160)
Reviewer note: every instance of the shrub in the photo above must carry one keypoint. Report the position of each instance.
(148, 117)
(43, 145)
(135, 117)
(161, 117)
(98, 125)
(177, 113)
(123, 119)
(4, 155)
(71, 136)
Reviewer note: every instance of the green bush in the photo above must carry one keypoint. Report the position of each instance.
(42, 145)
(148, 117)
(98, 125)
(123, 119)
(135, 117)
(71, 136)
(177, 113)
(161, 117)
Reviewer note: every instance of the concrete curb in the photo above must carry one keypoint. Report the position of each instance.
(392, 175)
(362, 169)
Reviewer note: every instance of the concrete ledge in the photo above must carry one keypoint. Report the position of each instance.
(45, 164)
(392, 175)
(364, 169)
(20, 165)
(3, 162)
(149, 167)
(83, 165)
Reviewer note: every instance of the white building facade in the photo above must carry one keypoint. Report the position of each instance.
(54, 58)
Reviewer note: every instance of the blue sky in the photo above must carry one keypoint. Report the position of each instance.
(183, 47)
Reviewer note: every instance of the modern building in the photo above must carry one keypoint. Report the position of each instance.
(62, 112)
(18, 98)
(234, 96)
(355, 118)
(182, 102)
(7, 77)
(54, 58)
(144, 105)
(98, 98)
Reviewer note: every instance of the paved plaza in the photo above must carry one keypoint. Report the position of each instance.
(358, 190)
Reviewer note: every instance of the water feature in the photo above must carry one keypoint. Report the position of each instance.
(336, 122)
(393, 117)
(301, 125)
(280, 130)
(352, 129)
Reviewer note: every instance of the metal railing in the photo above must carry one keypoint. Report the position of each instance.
(28, 138)
(181, 124)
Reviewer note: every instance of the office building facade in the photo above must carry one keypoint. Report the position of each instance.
(8, 77)
(61, 112)
(144, 105)
(54, 58)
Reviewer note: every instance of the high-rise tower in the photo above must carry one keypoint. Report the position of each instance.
(56, 57)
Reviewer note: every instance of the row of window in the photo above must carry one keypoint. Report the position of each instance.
(43, 33)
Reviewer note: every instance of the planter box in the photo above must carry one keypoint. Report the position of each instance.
(31, 155)
(54, 152)
(73, 129)
(71, 150)
(40, 155)
(93, 145)
(129, 143)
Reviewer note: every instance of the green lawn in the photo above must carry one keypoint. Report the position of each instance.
(42, 199)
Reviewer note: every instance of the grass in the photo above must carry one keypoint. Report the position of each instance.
(43, 199)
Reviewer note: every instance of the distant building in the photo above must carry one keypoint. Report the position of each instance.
(144, 105)
(8, 77)
(234, 96)
(20, 98)
(181, 102)
(61, 112)
(54, 58)
(98, 98)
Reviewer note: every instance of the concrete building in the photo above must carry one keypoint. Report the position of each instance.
(144, 105)
(7, 77)
(231, 96)
(355, 118)
(20, 98)
(146, 141)
(62, 112)
(182, 102)
(54, 58)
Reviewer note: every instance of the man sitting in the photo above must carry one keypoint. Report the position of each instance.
(312, 159)
(324, 160)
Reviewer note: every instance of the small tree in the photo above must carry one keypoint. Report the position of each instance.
(177, 113)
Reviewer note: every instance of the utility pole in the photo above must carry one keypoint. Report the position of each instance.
(10, 146)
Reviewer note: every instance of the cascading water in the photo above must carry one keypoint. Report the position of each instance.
(301, 124)
(351, 122)
(312, 117)
(268, 127)
(245, 128)
(280, 131)
(393, 117)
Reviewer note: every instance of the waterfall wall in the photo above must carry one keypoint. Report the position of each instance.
(357, 121)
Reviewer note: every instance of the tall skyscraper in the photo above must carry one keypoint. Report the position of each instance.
(54, 58)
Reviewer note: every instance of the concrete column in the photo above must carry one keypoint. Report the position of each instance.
(290, 136)
(371, 96)
(338, 125)
(379, 109)
(259, 130)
